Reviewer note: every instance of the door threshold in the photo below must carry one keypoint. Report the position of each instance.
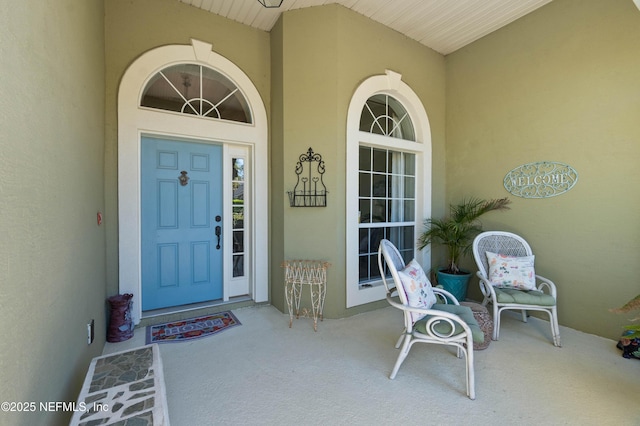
(174, 313)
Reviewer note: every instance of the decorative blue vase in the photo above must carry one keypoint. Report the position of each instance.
(455, 284)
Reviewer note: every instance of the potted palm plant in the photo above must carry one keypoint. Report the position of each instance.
(456, 233)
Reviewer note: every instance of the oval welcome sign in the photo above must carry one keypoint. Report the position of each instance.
(540, 180)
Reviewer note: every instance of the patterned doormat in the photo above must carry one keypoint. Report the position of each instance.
(189, 329)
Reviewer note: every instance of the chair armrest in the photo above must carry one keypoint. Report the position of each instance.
(547, 283)
(440, 293)
(486, 288)
(435, 317)
(444, 295)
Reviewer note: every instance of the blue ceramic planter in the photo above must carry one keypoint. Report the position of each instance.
(455, 284)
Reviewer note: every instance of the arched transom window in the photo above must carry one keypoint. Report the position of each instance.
(384, 115)
(196, 90)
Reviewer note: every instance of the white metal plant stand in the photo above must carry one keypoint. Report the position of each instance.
(312, 273)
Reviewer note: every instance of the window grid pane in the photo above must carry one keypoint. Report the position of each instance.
(387, 207)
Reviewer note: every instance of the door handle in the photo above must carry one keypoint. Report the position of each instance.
(218, 232)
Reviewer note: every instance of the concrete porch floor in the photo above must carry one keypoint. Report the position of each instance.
(264, 373)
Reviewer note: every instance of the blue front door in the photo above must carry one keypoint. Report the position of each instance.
(181, 220)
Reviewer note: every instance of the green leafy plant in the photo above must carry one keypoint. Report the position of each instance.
(457, 231)
(633, 330)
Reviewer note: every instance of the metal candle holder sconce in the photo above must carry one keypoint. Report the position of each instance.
(310, 190)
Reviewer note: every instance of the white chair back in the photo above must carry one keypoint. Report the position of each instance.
(499, 242)
(388, 254)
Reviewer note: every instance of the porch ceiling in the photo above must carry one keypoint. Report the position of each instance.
(443, 25)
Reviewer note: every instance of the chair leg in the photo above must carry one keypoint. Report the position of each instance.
(496, 322)
(471, 386)
(555, 328)
(524, 315)
(400, 338)
(404, 351)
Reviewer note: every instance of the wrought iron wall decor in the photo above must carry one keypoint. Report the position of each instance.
(310, 190)
(540, 180)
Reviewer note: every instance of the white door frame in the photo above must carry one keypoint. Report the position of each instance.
(134, 121)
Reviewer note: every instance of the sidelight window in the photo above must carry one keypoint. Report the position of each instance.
(238, 208)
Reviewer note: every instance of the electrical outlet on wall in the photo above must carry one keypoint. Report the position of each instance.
(90, 332)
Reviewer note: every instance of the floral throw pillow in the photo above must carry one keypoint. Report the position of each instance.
(417, 288)
(511, 272)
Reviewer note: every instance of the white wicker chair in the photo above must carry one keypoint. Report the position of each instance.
(444, 324)
(543, 299)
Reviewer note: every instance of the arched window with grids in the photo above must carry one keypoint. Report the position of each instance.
(386, 185)
(388, 179)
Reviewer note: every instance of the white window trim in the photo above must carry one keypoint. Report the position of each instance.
(390, 83)
(134, 121)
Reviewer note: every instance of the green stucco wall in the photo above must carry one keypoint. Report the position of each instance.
(560, 84)
(52, 252)
(325, 53)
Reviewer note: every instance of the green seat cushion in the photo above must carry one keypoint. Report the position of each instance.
(531, 297)
(464, 312)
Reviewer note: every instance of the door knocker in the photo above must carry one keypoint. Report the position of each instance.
(183, 178)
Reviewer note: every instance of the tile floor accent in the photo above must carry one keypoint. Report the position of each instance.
(126, 388)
